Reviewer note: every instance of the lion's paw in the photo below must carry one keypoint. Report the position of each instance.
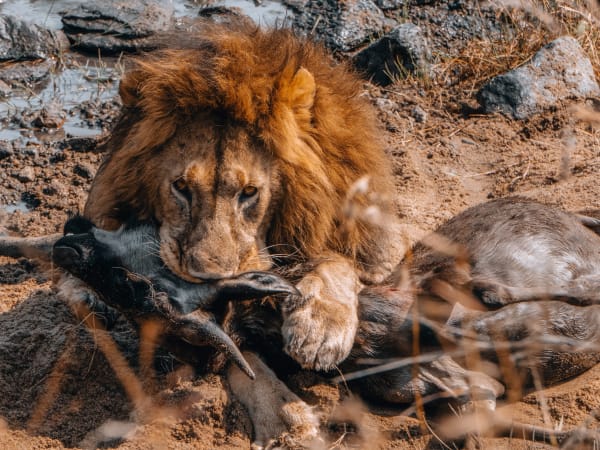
(320, 334)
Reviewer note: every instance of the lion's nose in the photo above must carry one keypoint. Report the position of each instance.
(207, 266)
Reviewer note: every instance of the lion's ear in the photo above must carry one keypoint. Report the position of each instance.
(301, 90)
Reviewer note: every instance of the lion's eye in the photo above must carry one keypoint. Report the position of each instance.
(248, 192)
(181, 187)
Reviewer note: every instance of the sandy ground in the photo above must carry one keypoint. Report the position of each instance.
(57, 387)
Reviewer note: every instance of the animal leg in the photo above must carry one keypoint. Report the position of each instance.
(442, 377)
(278, 415)
(30, 247)
(559, 339)
(319, 333)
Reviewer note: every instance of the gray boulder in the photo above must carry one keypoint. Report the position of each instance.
(404, 50)
(115, 26)
(342, 26)
(21, 40)
(559, 71)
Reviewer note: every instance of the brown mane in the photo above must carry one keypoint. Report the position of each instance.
(323, 134)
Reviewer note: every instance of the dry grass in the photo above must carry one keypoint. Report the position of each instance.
(526, 27)
(482, 59)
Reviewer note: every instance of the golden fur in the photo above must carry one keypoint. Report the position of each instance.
(286, 104)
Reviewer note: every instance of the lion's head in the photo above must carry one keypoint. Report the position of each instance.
(244, 146)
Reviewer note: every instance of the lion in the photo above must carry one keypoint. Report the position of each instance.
(250, 148)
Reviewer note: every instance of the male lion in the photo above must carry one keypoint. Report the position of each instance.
(247, 147)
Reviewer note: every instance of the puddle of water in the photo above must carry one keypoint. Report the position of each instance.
(70, 86)
(19, 206)
(47, 12)
(8, 134)
(83, 80)
(265, 12)
(42, 12)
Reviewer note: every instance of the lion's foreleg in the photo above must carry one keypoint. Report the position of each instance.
(278, 415)
(319, 332)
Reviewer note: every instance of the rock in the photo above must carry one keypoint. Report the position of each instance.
(6, 149)
(403, 50)
(4, 89)
(110, 44)
(21, 40)
(450, 29)
(419, 114)
(386, 105)
(79, 144)
(391, 4)
(224, 15)
(296, 5)
(50, 116)
(115, 26)
(559, 71)
(31, 199)
(25, 73)
(56, 187)
(25, 49)
(341, 26)
(25, 175)
(84, 170)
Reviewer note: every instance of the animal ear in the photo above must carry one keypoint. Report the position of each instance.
(301, 90)
(77, 225)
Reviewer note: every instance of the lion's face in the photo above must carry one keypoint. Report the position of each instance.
(214, 201)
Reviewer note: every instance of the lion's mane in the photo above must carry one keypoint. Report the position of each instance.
(287, 91)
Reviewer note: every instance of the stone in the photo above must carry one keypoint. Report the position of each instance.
(56, 187)
(26, 73)
(5, 89)
(403, 50)
(6, 149)
(115, 26)
(25, 175)
(26, 50)
(391, 4)
(21, 40)
(84, 170)
(31, 199)
(342, 26)
(559, 71)
(224, 15)
(419, 114)
(50, 116)
(80, 144)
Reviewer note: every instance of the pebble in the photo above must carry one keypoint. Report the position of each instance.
(25, 175)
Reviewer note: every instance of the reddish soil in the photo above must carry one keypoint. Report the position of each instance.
(57, 388)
